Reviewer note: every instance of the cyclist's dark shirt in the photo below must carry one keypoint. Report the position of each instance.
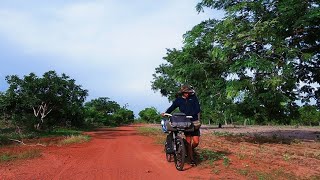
(189, 106)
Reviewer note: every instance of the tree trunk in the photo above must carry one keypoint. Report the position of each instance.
(225, 119)
(41, 112)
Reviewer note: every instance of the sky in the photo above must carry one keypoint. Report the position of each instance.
(109, 47)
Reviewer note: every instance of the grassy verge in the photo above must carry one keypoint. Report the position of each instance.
(28, 154)
(7, 136)
(60, 132)
(156, 133)
(74, 139)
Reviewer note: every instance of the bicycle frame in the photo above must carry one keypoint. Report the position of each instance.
(179, 147)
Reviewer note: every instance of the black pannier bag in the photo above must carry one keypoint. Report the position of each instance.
(179, 121)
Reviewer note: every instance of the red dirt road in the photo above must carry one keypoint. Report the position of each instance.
(118, 153)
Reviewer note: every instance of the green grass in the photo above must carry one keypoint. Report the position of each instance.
(209, 156)
(73, 139)
(275, 174)
(149, 131)
(220, 134)
(60, 132)
(29, 154)
(9, 133)
(226, 161)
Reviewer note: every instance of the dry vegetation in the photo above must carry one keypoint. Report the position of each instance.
(257, 152)
(32, 148)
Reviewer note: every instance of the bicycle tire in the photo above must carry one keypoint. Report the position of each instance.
(180, 154)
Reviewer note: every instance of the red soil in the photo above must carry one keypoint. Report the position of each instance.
(118, 153)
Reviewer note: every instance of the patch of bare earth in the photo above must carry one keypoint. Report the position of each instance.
(260, 152)
(268, 152)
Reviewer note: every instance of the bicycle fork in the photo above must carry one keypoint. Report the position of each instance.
(176, 143)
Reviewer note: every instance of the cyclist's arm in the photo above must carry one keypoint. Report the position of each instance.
(173, 106)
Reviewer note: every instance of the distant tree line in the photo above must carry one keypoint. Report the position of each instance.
(42, 103)
(259, 64)
(150, 115)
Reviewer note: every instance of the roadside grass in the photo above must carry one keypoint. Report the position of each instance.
(279, 173)
(59, 136)
(9, 135)
(209, 156)
(275, 174)
(60, 132)
(156, 133)
(220, 134)
(28, 154)
(74, 139)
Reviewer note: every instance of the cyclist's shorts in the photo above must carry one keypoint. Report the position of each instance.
(193, 133)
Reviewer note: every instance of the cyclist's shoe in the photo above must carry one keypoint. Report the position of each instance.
(192, 163)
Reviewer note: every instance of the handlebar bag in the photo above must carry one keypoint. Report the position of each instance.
(180, 120)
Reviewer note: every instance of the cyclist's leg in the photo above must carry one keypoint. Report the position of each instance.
(193, 141)
(195, 138)
(189, 146)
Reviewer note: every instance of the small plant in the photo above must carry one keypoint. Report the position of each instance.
(216, 171)
(241, 156)
(5, 157)
(226, 161)
(75, 139)
(286, 157)
(244, 172)
(296, 141)
(242, 147)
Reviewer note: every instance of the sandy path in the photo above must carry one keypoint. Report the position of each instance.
(118, 153)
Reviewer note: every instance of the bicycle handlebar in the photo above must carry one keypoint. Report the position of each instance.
(169, 115)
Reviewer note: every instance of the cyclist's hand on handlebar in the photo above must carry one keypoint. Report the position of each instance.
(166, 115)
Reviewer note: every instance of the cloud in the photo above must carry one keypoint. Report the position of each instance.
(110, 47)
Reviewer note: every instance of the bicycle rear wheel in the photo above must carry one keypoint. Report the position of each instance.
(180, 154)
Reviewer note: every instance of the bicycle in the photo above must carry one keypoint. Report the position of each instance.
(178, 124)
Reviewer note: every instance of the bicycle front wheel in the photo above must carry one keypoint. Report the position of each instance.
(180, 154)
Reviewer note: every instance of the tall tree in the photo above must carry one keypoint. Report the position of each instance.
(57, 96)
(262, 57)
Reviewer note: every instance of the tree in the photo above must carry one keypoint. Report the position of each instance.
(150, 115)
(260, 59)
(104, 111)
(51, 94)
(309, 115)
(124, 116)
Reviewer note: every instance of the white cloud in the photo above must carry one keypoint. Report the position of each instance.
(110, 47)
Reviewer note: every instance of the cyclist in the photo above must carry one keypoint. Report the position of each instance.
(188, 103)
